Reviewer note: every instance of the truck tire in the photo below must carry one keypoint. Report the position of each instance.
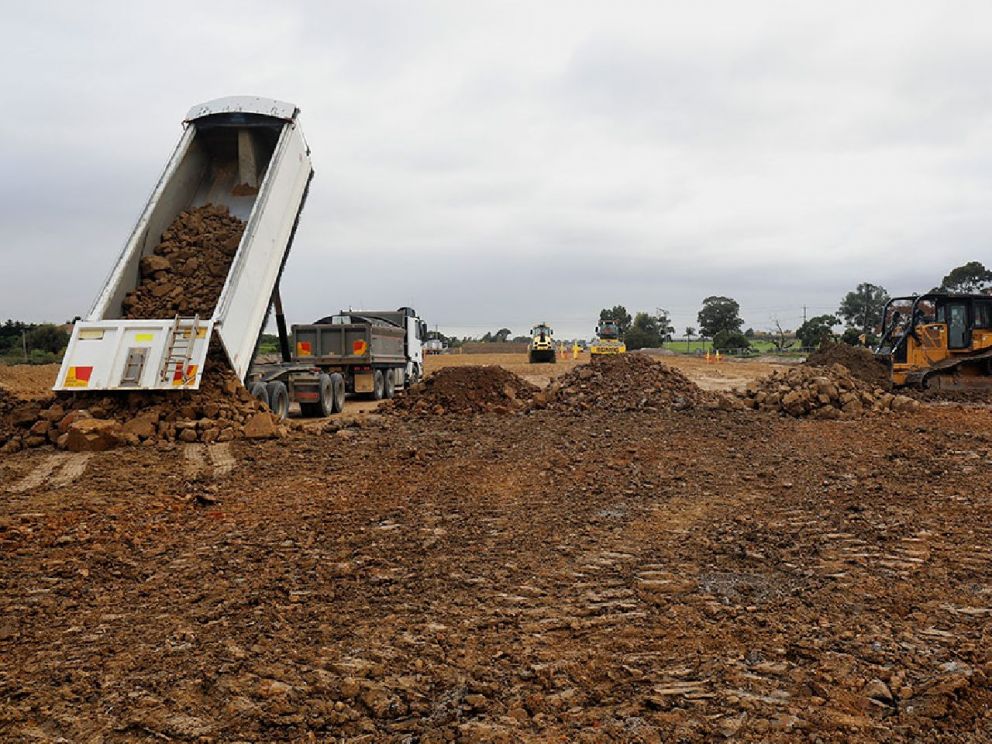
(378, 385)
(259, 391)
(326, 386)
(389, 385)
(278, 399)
(337, 384)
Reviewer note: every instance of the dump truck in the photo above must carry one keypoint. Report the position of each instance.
(242, 153)
(938, 340)
(371, 352)
(542, 345)
(608, 340)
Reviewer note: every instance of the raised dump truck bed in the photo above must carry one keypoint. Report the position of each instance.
(247, 155)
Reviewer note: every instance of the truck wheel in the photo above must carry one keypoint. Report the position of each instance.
(259, 391)
(326, 385)
(389, 388)
(337, 384)
(378, 385)
(278, 399)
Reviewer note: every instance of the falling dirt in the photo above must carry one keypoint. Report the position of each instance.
(188, 268)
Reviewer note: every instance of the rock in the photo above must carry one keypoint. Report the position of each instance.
(40, 428)
(187, 435)
(261, 426)
(72, 416)
(271, 688)
(878, 690)
(53, 414)
(151, 264)
(93, 435)
(143, 427)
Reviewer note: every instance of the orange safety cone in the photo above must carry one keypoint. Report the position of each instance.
(708, 360)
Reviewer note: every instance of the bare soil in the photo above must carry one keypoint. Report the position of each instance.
(594, 576)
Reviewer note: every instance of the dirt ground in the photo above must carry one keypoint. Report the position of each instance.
(700, 575)
(29, 381)
(727, 375)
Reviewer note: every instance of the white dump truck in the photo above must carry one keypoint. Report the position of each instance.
(249, 155)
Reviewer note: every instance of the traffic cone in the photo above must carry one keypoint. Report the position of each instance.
(708, 360)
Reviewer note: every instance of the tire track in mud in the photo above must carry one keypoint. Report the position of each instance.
(57, 470)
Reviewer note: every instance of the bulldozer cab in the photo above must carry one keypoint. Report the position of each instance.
(938, 339)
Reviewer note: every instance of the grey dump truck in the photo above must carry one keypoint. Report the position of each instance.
(370, 352)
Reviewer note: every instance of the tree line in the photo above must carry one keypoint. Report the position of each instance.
(38, 343)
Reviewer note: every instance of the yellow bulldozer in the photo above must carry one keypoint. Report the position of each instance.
(608, 340)
(542, 344)
(938, 340)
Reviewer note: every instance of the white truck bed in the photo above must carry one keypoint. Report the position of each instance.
(225, 143)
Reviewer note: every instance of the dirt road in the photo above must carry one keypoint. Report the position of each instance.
(663, 576)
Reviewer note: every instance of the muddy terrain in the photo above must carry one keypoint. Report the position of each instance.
(591, 573)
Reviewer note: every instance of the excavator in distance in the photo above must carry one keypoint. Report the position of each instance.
(938, 340)
(542, 344)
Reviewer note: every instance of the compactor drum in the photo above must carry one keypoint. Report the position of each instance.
(542, 344)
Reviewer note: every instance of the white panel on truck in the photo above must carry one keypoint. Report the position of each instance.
(227, 144)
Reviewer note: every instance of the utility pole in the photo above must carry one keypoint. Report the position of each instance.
(804, 315)
(24, 344)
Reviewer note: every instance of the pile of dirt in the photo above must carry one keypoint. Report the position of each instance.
(9, 404)
(821, 392)
(623, 383)
(186, 272)
(861, 363)
(467, 389)
(220, 411)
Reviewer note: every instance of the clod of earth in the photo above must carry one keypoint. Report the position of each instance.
(825, 393)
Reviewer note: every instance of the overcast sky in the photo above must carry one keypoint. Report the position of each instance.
(499, 164)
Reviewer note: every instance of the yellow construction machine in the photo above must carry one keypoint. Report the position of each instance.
(542, 344)
(938, 340)
(608, 340)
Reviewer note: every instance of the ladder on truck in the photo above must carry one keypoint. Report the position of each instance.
(179, 349)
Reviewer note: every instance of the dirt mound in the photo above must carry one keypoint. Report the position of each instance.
(623, 383)
(187, 271)
(821, 392)
(861, 363)
(467, 389)
(221, 410)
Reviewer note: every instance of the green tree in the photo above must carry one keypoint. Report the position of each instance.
(501, 335)
(649, 331)
(862, 308)
(618, 314)
(969, 278)
(47, 337)
(812, 333)
(719, 314)
(689, 333)
(730, 340)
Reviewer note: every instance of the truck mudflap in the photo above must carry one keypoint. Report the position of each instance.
(135, 355)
